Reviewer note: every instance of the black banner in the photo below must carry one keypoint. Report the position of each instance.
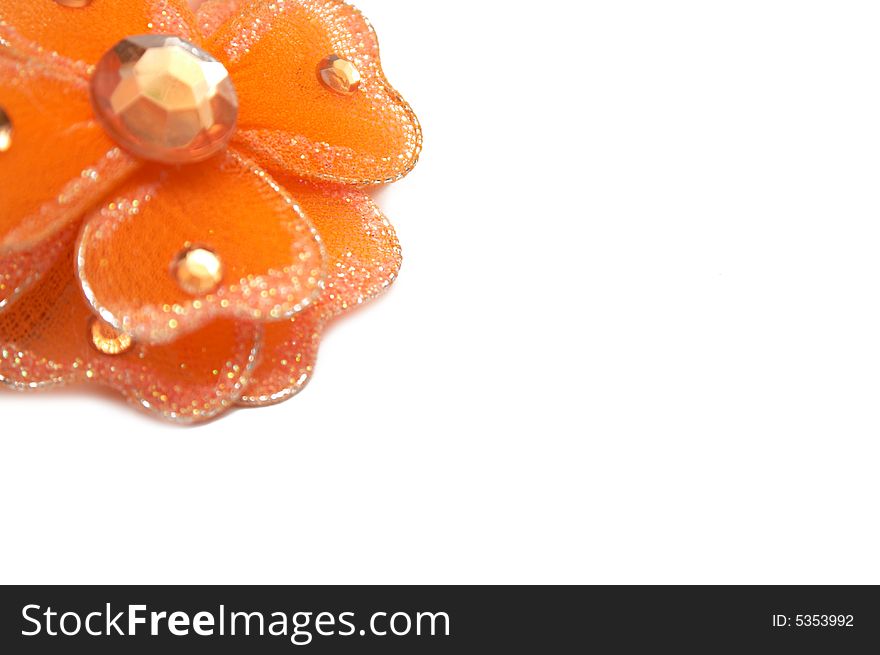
(438, 619)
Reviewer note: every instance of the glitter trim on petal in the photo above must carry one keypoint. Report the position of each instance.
(364, 260)
(289, 120)
(287, 361)
(45, 184)
(191, 380)
(211, 14)
(21, 270)
(272, 257)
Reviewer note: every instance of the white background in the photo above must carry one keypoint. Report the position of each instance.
(636, 338)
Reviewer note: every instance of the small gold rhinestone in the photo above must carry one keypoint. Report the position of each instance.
(198, 271)
(74, 3)
(339, 75)
(109, 340)
(5, 131)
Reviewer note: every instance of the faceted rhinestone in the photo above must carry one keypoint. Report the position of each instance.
(108, 340)
(164, 99)
(198, 271)
(5, 131)
(339, 75)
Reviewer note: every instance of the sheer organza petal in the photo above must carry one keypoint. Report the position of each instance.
(272, 256)
(43, 336)
(59, 161)
(287, 359)
(45, 342)
(192, 379)
(19, 271)
(86, 33)
(364, 259)
(289, 120)
(363, 253)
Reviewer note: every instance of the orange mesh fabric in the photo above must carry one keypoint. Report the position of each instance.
(20, 270)
(86, 33)
(363, 253)
(294, 256)
(45, 341)
(364, 258)
(273, 260)
(46, 185)
(290, 350)
(289, 120)
(43, 335)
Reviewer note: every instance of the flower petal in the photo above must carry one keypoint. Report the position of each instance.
(363, 253)
(43, 335)
(45, 185)
(45, 342)
(86, 33)
(191, 380)
(272, 257)
(289, 120)
(21, 270)
(364, 259)
(287, 360)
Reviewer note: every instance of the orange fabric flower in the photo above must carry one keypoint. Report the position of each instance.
(90, 232)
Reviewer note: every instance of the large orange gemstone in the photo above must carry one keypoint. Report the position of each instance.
(164, 99)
